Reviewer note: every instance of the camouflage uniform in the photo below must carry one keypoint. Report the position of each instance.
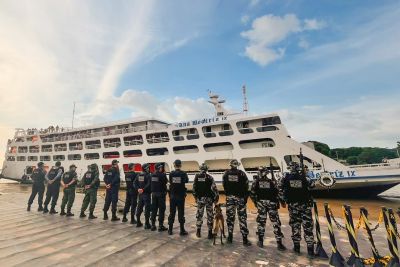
(264, 193)
(69, 192)
(91, 179)
(236, 184)
(206, 193)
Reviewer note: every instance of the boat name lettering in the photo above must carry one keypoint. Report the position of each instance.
(335, 174)
(201, 121)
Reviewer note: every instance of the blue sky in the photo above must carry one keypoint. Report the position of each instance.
(329, 68)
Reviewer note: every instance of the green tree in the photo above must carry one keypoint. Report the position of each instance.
(322, 148)
(352, 160)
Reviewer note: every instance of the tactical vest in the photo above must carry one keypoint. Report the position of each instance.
(177, 182)
(203, 185)
(296, 189)
(68, 177)
(143, 180)
(235, 183)
(38, 177)
(108, 176)
(158, 183)
(266, 189)
(89, 177)
(129, 179)
(53, 173)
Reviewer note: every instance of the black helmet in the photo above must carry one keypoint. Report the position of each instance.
(263, 171)
(203, 167)
(40, 164)
(93, 166)
(58, 164)
(131, 165)
(114, 162)
(178, 163)
(72, 166)
(294, 166)
(234, 163)
(159, 165)
(146, 167)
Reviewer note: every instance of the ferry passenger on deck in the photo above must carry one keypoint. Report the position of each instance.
(90, 184)
(68, 182)
(53, 178)
(159, 182)
(38, 178)
(143, 187)
(177, 195)
(112, 181)
(131, 194)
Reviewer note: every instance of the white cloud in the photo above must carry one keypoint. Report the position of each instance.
(253, 3)
(303, 43)
(313, 24)
(268, 31)
(245, 19)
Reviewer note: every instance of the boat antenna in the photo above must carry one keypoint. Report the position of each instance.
(245, 102)
(73, 116)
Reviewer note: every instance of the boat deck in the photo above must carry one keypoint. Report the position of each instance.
(34, 239)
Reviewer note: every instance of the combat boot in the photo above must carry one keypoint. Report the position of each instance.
(28, 208)
(198, 232)
(139, 223)
(69, 213)
(310, 251)
(170, 227)
(40, 208)
(133, 221)
(53, 211)
(82, 215)
(105, 217)
(124, 219)
(260, 242)
(114, 217)
(162, 228)
(280, 245)
(153, 226)
(91, 216)
(210, 234)
(296, 248)
(45, 210)
(183, 231)
(62, 213)
(246, 242)
(230, 238)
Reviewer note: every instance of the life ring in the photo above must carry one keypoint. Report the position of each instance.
(326, 180)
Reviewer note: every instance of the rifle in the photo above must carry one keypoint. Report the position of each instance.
(303, 173)
(271, 170)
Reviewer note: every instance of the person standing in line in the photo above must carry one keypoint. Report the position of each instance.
(68, 182)
(131, 194)
(53, 179)
(90, 183)
(143, 186)
(159, 182)
(38, 178)
(112, 181)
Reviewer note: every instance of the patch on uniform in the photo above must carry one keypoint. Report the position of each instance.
(296, 184)
(154, 179)
(201, 179)
(109, 173)
(176, 180)
(88, 175)
(233, 178)
(66, 176)
(264, 184)
(141, 178)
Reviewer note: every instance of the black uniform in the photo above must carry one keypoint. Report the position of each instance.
(177, 195)
(38, 178)
(143, 181)
(131, 194)
(158, 194)
(112, 177)
(53, 190)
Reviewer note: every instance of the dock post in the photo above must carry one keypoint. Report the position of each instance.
(375, 253)
(336, 259)
(354, 259)
(393, 236)
(319, 251)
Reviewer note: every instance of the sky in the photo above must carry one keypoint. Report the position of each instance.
(330, 69)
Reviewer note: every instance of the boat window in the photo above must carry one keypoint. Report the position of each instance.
(226, 130)
(256, 143)
(157, 151)
(215, 147)
(271, 121)
(157, 137)
(75, 146)
(10, 158)
(91, 156)
(267, 128)
(244, 127)
(29, 170)
(74, 157)
(22, 149)
(307, 161)
(208, 132)
(190, 166)
(19, 139)
(137, 168)
(34, 149)
(21, 158)
(133, 153)
(185, 149)
(47, 148)
(58, 157)
(45, 158)
(112, 142)
(111, 155)
(133, 140)
(93, 144)
(252, 164)
(177, 135)
(12, 149)
(60, 147)
(192, 134)
(218, 165)
(33, 158)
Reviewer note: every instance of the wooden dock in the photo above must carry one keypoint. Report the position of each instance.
(37, 239)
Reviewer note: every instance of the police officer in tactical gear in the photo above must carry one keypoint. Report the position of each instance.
(53, 179)
(265, 195)
(295, 190)
(159, 182)
(131, 194)
(38, 178)
(112, 181)
(142, 185)
(90, 183)
(206, 193)
(68, 182)
(236, 187)
(177, 195)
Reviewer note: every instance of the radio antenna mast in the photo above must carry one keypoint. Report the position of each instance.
(245, 102)
(73, 116)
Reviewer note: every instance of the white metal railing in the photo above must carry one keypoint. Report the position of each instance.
(47, 149)
(113, 144)
(154, 140)
(96, 146)
(373, 165)
(133, 142)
